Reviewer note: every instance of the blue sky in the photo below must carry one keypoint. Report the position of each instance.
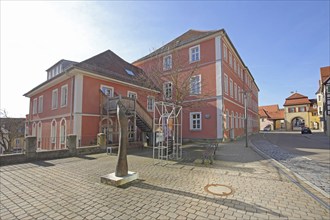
(283, 43)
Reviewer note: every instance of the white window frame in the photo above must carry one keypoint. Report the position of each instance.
(54, 99)
(191, 119)
(150, 103)
(232, 119)
(64, 95)
(239, 94)
(131, 94)
(35, 106)
(225, 53)
(105, 88)
(53, 132)
(194, 54)
(195, 86)
(235, 65)
(226, 83)
(41, 104)
(168, 91)
(63, 132)
(39, 134)
(235, 91)
(231, 89)
(230, 59)
(167, 62)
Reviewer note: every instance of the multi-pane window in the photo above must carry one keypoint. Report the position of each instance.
(167, 89)
(64, 95)
(107, 90)
(34, 106)
(302, 109)
(53, 132)
(235, 66)
(150, 103)
(167, 62)
(41, 104)
(63, 131)
(231, 87)
(226, 83)
(235, 91)
(225, 56)
(239, 94)
(195, 121)
(194, 54)
(54, 98)
(230, 60)
(131, 95)
(292, 109)
(195, 85)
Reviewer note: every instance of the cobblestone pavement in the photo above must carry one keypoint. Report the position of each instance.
(314, 172)
(70, 188)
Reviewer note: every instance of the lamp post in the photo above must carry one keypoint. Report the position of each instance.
(245, 117)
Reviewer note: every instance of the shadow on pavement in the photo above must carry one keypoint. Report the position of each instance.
(254, 208)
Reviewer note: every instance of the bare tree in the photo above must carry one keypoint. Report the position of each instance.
(10, 129)
(187, 89)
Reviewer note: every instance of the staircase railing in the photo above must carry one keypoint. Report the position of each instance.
(143, 114)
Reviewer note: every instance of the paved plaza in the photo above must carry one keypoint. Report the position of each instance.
(70, 188)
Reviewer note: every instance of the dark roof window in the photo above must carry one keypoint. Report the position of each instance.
(129, 72)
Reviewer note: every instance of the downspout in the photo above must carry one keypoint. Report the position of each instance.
(71, 106)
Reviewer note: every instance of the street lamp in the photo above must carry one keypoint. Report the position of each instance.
(245, 117)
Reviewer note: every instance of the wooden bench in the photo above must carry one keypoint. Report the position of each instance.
(209, 152)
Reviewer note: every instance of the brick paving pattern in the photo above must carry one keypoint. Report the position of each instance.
(70, 188)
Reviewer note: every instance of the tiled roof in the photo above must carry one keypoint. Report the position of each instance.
(185, 38)
(110, 65)
(325, 73)
(296, 99)
(271, 112)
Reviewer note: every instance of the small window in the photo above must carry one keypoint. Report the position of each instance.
(328, 89)
(41, 104)
(150, 103)
(64, 96)
(235, 91)
(195, 121)
(167, 87)
(129, 72)
(167, 62)
(225, 56)
(230, 60)
(194, 54)
(231, 88)
(226, 83)
(34, 107)
(195, 85)
(107, 90)
(54, 99)
(53, 132)
(292, 109)
(131, 95)
(302, 109)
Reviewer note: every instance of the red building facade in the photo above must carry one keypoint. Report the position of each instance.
(219, 80)
(74, 98)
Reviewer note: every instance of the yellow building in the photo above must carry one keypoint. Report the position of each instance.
(299, 111)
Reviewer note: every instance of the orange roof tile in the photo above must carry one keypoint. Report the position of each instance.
(325, 73)
(296, 99)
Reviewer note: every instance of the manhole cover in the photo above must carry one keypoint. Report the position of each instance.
(218, 189)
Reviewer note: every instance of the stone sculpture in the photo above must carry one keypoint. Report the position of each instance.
(122, 167)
